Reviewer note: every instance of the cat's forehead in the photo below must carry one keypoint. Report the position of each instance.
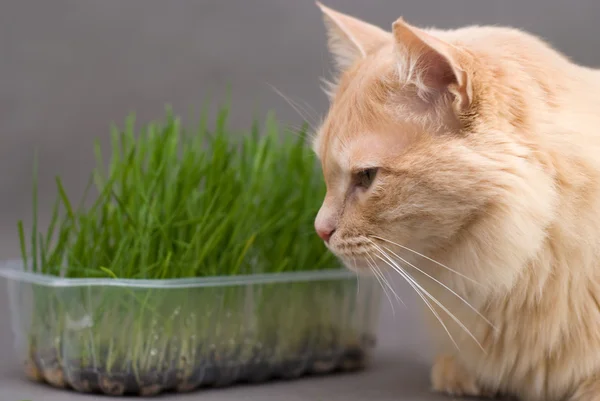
(345, 151)
(361, 128)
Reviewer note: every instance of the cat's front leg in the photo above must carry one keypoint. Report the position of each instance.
(450, 377)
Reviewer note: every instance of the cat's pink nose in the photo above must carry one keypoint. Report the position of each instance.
(325, 233)
(325, 223)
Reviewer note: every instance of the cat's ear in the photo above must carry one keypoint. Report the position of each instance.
(432, 64)
(349, 38)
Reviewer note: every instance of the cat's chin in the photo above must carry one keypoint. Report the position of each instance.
(361, 264)
(359, 268)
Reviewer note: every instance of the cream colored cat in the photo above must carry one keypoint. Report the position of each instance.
(468, 161)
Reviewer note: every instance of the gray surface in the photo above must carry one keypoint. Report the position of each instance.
(70, 67)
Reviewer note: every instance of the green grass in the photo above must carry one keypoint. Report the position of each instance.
(175, 202)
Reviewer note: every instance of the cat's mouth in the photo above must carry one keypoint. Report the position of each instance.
(369, 252)
(357, 253)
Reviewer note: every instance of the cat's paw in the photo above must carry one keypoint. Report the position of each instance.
(449, 377)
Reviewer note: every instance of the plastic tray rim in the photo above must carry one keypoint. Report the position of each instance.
(13, 270)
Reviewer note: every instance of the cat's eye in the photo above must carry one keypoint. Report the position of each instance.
(364, 178)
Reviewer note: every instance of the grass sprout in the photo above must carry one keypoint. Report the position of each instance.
(174, 203)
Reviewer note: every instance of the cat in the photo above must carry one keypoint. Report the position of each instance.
(468, 161)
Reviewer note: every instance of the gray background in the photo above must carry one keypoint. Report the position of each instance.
(69, 68)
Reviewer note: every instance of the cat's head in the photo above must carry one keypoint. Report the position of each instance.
(421, 148)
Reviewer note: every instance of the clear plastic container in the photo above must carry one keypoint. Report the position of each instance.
(147, 336)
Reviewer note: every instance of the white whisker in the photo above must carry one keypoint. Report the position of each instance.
(428, 258)
(442, 284)
(299, 130)
(420, 294)
(301, 112)
(386, 281)
(376, 273)
(310, 110)
(357, 276)
(395, 266)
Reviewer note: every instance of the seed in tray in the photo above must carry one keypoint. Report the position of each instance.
(151, 389)
(187, 386)
(32, 371)
(190, 383)
(324, 365)
(112, 385)
(55, 375)
(81, 385)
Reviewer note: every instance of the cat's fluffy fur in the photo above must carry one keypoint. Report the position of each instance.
(487, 146)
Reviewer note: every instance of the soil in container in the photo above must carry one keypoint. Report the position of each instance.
(32, 369)
(328, 351)
(83, 379)
(188, 382)
(149, 384)
(112, 383)
(293, 368)
(256, 372)
(226, 367)
(325, 362)
(257, 368)
(51, 369)
(90, 380)
(172, 379)
(184, 379)
(354, 356)
(298, 363)
(209, 374)
(120, 384)
(218, 370)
